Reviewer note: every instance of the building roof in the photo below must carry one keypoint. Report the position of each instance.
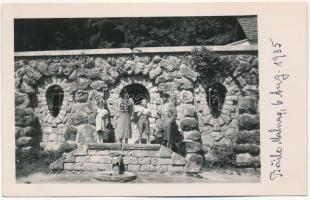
(249, 26)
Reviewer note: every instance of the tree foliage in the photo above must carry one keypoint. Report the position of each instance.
(210, 66)
(84, 33)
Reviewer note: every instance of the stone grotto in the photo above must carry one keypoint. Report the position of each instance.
(54, 94)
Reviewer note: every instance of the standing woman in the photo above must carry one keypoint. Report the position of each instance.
(125, 116)
(101, 121)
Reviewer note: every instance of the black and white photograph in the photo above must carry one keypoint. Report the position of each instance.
(137, 100)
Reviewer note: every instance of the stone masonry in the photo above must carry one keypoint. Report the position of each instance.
(83, 77)
(136, 158)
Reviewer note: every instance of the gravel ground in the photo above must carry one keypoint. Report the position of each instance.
(40, 174)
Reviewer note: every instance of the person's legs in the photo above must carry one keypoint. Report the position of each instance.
(147, 138)
(169, 130)
(140, 128)
(98, 137)
(120, 140)
(126, 140)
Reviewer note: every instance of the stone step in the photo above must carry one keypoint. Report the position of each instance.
(136, 157)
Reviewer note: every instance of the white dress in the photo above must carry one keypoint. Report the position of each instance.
(101, 119)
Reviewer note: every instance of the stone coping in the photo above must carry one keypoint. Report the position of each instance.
(119, 146)
(140, 50)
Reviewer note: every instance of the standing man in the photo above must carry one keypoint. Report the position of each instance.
(143, 121)
(166, 126)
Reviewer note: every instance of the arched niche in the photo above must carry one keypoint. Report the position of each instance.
(54, 98)
(215, 94)
(137, 92)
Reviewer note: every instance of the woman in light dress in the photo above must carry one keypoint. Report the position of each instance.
(102, 117)
(124, 118)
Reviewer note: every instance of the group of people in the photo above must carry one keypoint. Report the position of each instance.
(128, 113)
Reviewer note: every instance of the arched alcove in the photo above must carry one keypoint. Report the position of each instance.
(54, 98)
(216, 93)
(137, 92)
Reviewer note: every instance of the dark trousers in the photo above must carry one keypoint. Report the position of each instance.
(170, 128)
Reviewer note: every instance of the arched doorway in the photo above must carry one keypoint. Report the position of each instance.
(137, 92)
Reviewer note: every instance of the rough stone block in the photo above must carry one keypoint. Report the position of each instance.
(188, 124)
(178, 159)
(165, 161)
(207, 139)
(67, 146)
(81, 96)
(162, 168)
(100, 159)
(57, 164)
(24, 117)
(154, 73)
(164, 87)
(130, 160)
(94, 152)
(186, 97)
(21, 100)
(148, 168)
(186, 110)
(251, 137)
(231, 98)
(248, 104)
(68, 157)
(26, 150)
(246, 159)
(78, 118)
(187, 72)
(164, 152)
(210, 157)
(82, 159)
(192, 168)
(152, 147)
(81, 150)
(133, 168)
(105, 146)
(191, 135)
(97, 167)
(154, 161)
(252, 149)
(172, 168)
(87, 133)
(26, 88)
(24, 141)
(248, 122)
(70, 133)
(192, 147)
(148, 153)
(69, 166)
(144, 160)
(98, 85)
(183, 84)
(195, 159)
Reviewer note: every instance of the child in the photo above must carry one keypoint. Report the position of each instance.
(101, 121)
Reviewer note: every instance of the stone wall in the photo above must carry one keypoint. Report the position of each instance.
(233, 136)
(136, 158)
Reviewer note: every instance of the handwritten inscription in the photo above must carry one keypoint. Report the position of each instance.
(278, 102)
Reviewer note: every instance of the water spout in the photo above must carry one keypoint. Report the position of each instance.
(121, 168)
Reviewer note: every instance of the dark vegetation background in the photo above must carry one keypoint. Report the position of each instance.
(84, 33)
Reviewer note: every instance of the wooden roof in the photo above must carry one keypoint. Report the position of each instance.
(249, 26)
